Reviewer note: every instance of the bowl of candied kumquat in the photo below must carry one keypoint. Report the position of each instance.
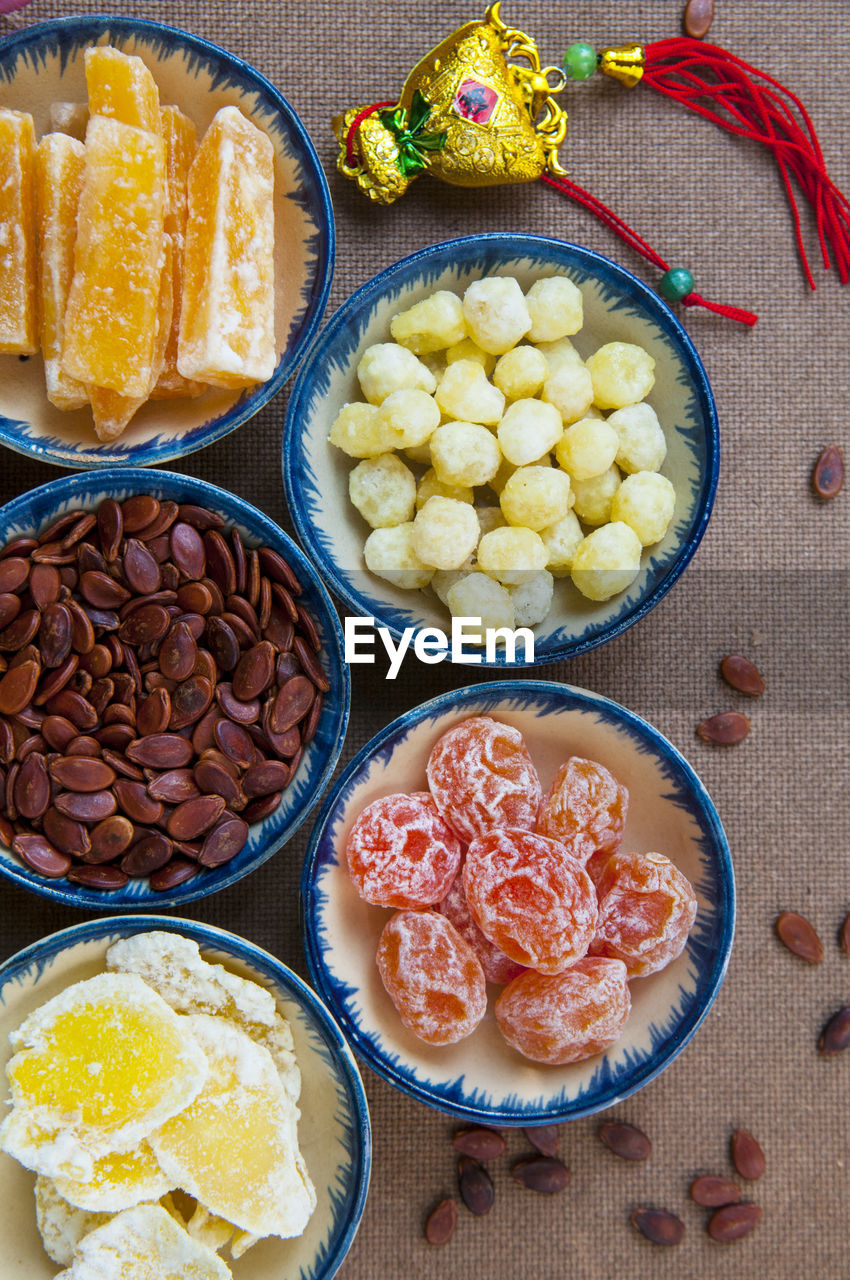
(519, 903)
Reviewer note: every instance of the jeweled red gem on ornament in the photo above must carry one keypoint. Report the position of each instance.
(475, 101)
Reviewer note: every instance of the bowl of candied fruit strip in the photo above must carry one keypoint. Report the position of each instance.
(173, 695)
(169, 241)
(180, 1105)
(507, 428)
(519, 902)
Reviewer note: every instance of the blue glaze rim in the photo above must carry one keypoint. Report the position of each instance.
(69, 32)
(492, 248)
(32, 509)
(347, 1208)
(607, 1086)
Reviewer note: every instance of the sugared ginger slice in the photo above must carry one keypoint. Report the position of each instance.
(565, 1017)
(432, 976)
(145, 1243)
(119, 1181)
(60, 1224)
(482, 776)
(122, 87)
(18, 305)
(59, 164)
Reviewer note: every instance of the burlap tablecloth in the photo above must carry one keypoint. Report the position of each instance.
(770, 580)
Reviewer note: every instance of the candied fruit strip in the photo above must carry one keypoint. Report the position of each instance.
(110, 322)
(121, 86)
(181, 143)
(227, 319)
(59, 164)
(18, 300)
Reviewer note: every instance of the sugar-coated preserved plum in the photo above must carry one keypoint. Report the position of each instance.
(497, 967)
(432, 976)
(401, 853)
(646, 910)
(529, 896)
(568, 1016)
(482, 776)
(585, 809)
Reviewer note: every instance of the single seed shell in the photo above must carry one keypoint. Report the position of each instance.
(625, 1140)
(544, 1174)
(476, 1189)
(41, 857)
(747, 1155)
(659, 1225)
(828, 473)
(799, 936)
(441, 1223)
(835, 1037)
(725, 729)
(480, 1143)
(713, 1192)
(734, 1221)
(697, 18)
(546, 1138)
(742, 675)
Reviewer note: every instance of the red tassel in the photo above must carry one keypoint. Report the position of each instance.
(743, 100)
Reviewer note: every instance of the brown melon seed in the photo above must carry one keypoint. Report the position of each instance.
(141, 570)
(65, 834)
(262, 779)
(259, 810)
(98, 876)
(144, 625)
(223, 842)
(799, 936)
(543, 1174)
(441, 1223)
(241, 712)
(10, 607)
(734, 1221)
(191, 818)
(136, 801)
(476, 1188)
(17, 687)
(546, 1138)
(45, 585)
(82, 773)
(291, 704)
(310, 664)
(161, 751)
(480, 1143)
(828, 472)
(86, 806)
(178, 652)
(190, 701)
(659, 1225)
(714, 1192)
(40, 856)
(725, 729)
(147, 855)
(174, 787)
(154, 713)
(254, 671)
(278, 570)
(14, 572)
(742, 675)
(835, 1037)
(747, 1155)
(199, 517)
(32, 787)
(625, 1140)
(110, 838)
(56, 681)
(110, 527)
(101, 591)
(139, 511)
(175, 872)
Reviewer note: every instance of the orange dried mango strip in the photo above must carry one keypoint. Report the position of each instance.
(121, 86)
(59, 164)
(110, 322)
(18, 307)
(227, 322)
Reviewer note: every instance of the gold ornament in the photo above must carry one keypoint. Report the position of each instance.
(466, 114)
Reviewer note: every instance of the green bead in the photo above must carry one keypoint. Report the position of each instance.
(676, 284)
(580, 61)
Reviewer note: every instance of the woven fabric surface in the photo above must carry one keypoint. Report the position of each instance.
(770, 580)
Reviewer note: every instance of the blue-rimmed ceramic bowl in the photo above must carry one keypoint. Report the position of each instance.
(34, 511)
(44, 64)
(617, 307)
(481, 1077)
(333, 1131)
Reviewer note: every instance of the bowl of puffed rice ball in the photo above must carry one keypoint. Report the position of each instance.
(507, 429)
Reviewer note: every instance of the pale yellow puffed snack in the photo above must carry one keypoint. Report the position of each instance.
(529, 429)
(465, 453)
(383, 490)
(587, 448)
(465, 393)
(431, 486)
(622, 374)
(561, 541)
(558, 353)
(466, 349)
(389, 553)
(521, 372)
(642, 445)
(445, 532)
(387, 367)
(511, 555)
(360, 432)
(496, 313)
(593, 497)
(430, 325)
(409, 417)
(556, 309)
(570, 390)
(607, 561)
(532, 599)
(536, 497)
(477, 596)
(645, 501)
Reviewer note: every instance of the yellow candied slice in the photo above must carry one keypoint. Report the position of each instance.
(144, 1243)
(181, 143)
(173, 966)
(212, 1231)
(227, 321)
(110, 321)
(59, 162)
(235, 1148)
(119, 1181)
(60, 1224)
(95, 1070)
(121, 86)
(18, 306)
(112, 411)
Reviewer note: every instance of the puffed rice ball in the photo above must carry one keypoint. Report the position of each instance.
(410, 416)
(521, 372)
(645, 501)
(570, 390)
(430, 325)
(445, 532)
(389, 553)
(387, 367)
(622, 374)
(465, 453)
(593, 497)
(607, 561)
(536, 497)
(642, 444)
(529, 429)
(511, 555)
(431, 486)
(477, 596)
(561, 541)
(556, 309)
(587, 448)
(532, 599)
(383, 490)
(558, 354)
(465, 393)
(496, 313)
(466, 349)
(360, 432)
(490, 518)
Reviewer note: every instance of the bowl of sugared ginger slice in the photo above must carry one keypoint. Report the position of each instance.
(172, 242)
(518, 901)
